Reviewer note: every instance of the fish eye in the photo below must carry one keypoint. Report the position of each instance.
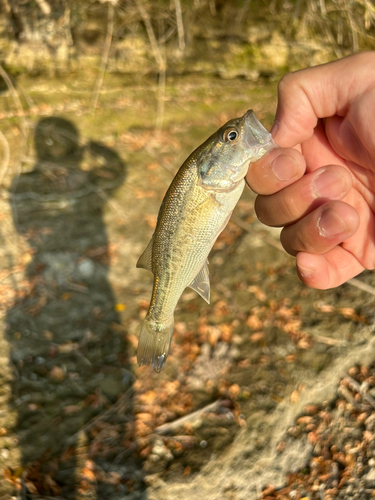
(230, 135)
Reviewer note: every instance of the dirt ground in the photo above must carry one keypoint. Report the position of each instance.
(78, 418)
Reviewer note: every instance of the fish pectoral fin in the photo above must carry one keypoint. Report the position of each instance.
(201, 283)
(145, 260)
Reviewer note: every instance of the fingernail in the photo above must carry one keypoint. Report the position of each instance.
(305, 272)
(329, 184)
(275, 128)
(330, 224)
(284, 167)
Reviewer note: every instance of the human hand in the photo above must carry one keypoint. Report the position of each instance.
(323, 198)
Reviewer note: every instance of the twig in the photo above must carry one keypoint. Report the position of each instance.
(354, 32)
(39, 497)
(161, 61)
(94, 420)
(161, 100)
(24, 130)
(242, 12)
(344, 391)
(137, 443)
(328, 340)
(5, 165)
(362, 286)
(112, 203)
(172, 426)
(356, 387)
(44, 7)
(246, 227)
(276, 244)
(16, 99)
(151, 35)
(104, 60)
(180, 25)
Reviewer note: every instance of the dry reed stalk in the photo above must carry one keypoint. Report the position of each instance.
(105, 55)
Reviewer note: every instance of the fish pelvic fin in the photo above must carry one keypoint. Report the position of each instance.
(201, 283)
(154, 343)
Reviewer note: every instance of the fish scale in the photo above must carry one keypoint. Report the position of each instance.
(194, 211)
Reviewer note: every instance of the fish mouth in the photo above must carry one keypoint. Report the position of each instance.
(258, 139)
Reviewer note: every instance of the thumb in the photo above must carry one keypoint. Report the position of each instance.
(320, 92)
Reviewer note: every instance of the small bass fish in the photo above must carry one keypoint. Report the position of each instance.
(195, 210)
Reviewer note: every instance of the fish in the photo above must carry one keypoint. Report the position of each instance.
(196, 208)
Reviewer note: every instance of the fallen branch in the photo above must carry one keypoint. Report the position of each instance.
(356, 387)
(344, 391)
(172, 426)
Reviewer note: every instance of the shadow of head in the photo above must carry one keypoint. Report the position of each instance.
(56, 138)
(57, 142)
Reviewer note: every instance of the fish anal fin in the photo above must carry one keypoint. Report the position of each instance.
(145, 260)
(201, 283)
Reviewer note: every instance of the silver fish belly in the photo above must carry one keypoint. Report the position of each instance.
(195, 209)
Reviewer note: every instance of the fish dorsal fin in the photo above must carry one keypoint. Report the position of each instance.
(201, 283)
(145, 260)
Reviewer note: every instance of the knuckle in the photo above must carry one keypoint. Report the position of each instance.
(286, 82)
(288, 209)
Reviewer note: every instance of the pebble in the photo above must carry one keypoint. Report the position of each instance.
(86, 268)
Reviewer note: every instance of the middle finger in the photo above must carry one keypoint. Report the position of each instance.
(331, 182)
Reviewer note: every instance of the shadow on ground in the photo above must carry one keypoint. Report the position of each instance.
(68, 354)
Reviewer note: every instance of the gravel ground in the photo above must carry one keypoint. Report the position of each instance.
(341, 436)
(235, 409)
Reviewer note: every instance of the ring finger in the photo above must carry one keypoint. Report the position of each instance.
(321, 230)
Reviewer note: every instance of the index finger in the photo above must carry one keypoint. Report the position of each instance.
(276, 170)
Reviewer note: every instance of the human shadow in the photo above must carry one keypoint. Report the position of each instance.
(68, 349)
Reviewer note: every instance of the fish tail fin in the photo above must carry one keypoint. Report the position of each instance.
(154, 344)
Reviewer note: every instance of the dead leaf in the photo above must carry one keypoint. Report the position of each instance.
(254, 322)
(324, 308)
(234, 391)
(31, 488)
(68, 347)
(47, 335)
(51, 485)
(88, 475)
(140, 193)
(294, 397)
(259, 294)
(71, 409)
(257, 336)
(57, 373)
(151, 220)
